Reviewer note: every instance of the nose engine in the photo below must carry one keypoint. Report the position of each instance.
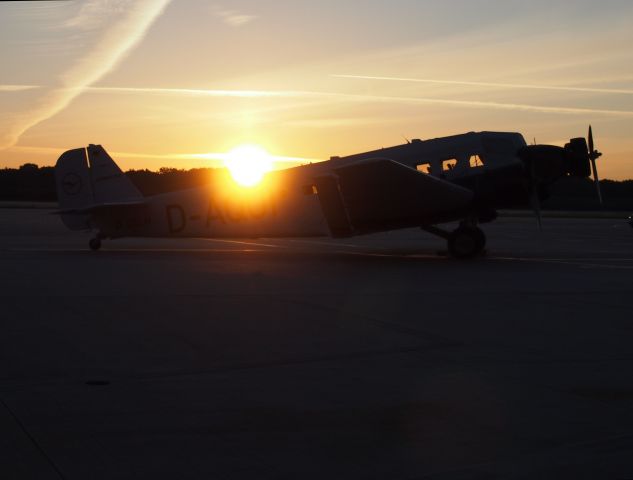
(547, 163)
(578, 158)
(544, 164)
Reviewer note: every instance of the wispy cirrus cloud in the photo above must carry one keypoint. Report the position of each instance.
(367, 98)
(16, 88)
(214, 159)
(115, 27)
(93, 13)
(622, 91)
(347, 97)
(232, 18)
(198, 92)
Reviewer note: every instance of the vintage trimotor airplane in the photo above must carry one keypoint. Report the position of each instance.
(463, 178)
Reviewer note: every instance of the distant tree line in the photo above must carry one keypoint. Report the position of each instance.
(37, 184)
(33, 183)
(170, 179)
(580, 194)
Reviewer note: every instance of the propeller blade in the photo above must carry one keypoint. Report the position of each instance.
(536, 206)
(593, 156)
(535, 201)
(596, 179)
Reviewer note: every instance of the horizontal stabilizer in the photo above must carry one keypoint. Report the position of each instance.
(98, 208)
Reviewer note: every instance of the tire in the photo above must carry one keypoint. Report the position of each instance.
(94, 244)
(466, 242)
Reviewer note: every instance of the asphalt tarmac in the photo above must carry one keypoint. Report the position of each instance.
(365, 358)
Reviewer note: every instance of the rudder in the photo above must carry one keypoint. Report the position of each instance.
(74, 187)
(87, 178)
(109, 183)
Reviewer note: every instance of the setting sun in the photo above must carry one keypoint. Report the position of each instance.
(248, 164)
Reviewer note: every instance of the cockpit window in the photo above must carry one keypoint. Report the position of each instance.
(476, 161)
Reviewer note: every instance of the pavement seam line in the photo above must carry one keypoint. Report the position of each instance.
(35, 443)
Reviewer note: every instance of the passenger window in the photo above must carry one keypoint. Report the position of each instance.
(448, 164)
(309, 190)
(424, 168)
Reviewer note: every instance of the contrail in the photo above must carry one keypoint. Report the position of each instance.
(65, 95)
(492, 105)
(360, 97)
(16, 88)
(131, 21)
(196, 92)
(620, 91)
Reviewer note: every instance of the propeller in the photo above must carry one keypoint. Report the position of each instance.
(536, 206)
(593, 156)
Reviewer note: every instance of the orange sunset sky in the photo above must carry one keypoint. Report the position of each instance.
(180, 83)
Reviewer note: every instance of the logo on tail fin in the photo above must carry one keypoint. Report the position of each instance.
(71, 184)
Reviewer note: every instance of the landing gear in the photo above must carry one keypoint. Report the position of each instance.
(466, 242)
(94, 244)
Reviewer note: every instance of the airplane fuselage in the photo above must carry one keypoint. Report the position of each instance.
(292, 202)
(463, 178)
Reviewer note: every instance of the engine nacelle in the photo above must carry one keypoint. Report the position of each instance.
(578, 158)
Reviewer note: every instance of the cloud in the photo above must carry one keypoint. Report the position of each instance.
(17, 88)
(118, 26)
(56, 99)
(94, 13)
(491, 85)
(232, 18)
(367, 98)
(340, 122)
(216, 158)
(198, 92)
(488, 105)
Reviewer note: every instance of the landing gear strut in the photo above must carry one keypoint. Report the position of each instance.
(95, 244)
(466, 241)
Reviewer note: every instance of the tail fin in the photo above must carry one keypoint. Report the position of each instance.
(109, 183)
(74, 187)
(86, 178)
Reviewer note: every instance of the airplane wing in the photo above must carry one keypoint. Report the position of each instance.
(380, 194)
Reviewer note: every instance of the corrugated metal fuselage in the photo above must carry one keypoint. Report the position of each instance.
(288, 203)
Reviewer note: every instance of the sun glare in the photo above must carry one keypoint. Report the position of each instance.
(248, 164)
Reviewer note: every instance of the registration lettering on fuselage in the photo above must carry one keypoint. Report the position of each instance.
(221, 212)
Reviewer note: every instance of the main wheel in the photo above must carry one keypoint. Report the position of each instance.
(466, 242)
(94, 244)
